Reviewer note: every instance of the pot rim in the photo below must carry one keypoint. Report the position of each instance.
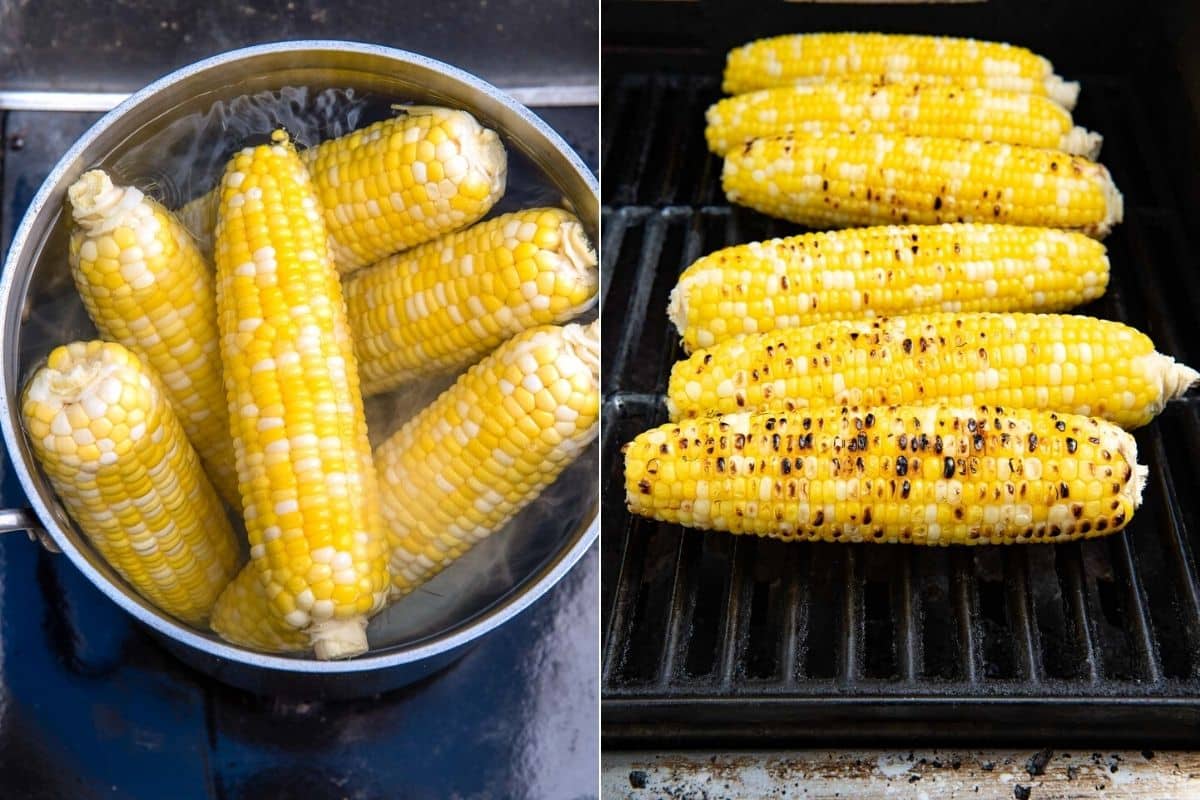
(456, 637)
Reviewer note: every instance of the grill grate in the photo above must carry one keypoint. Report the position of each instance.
(715, 638)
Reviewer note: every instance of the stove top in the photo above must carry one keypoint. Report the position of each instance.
(91, 706)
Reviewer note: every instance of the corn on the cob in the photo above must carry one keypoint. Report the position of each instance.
(304, 463)
(145, 285)
(910, 109)
(920, 474)
(395, 184)
(102, 428)
(893, 58)
(843, 179)
(889, 270)
(242, 616)
(440, 307)
(1054, 362)
(467, 463)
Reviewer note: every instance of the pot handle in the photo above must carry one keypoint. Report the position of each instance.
(20, 519)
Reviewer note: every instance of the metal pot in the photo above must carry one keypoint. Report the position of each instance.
(408, 643)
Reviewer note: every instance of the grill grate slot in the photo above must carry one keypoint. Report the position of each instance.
(709, 635)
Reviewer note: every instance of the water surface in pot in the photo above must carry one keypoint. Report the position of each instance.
(180, 155)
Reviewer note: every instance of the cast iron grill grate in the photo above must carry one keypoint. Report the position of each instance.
(715, 638)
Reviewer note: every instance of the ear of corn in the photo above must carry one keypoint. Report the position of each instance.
(243, 616)
(911, 109)
(440, 307)
(891, 270)
(103, 430)
(395, 184)
(919, 474)
(1049, 361)
(466, 464)
(842, 179)
(893, 58)
(145, 285)
(307, 484)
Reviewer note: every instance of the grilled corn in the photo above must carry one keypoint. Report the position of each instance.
(910, 109)
(864, 272)
(465, 465)
(842, 179)
(920, 474)
(103, 430)
(395, 184)
(304, 464)
(442, 306)
(145, 285)
(1049, 361)
(893, 58)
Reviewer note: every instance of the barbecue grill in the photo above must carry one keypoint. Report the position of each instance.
(716, 640)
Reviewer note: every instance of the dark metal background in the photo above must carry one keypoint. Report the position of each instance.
(90, 705)
(719, 640)
(121, 45)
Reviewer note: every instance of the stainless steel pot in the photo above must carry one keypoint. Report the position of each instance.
(413, 638)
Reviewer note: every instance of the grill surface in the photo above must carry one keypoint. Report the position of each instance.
(711, 638)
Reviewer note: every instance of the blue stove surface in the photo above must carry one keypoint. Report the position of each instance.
(92, 707)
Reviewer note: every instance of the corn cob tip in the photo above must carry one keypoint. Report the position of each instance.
(1127, 447)
(339, 638)
(98, 205)
(76, 374)
(1176, 378)
(1082, 142)
(677, 308)
(577, 248)
(1063, 92)
(1114, 205)
(584, 342)
(480, 147)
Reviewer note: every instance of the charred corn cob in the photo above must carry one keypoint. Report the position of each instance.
(145, 285)
(893, 58)
(304, 464)
(442, 306)
(919, 474)
(910, 109)
(103, 430)
(890, 270)
(467, 463)
(242, 616)
(1049, 361)
(394, 184)
(842, 179)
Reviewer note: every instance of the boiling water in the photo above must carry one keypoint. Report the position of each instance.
(183, 159)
